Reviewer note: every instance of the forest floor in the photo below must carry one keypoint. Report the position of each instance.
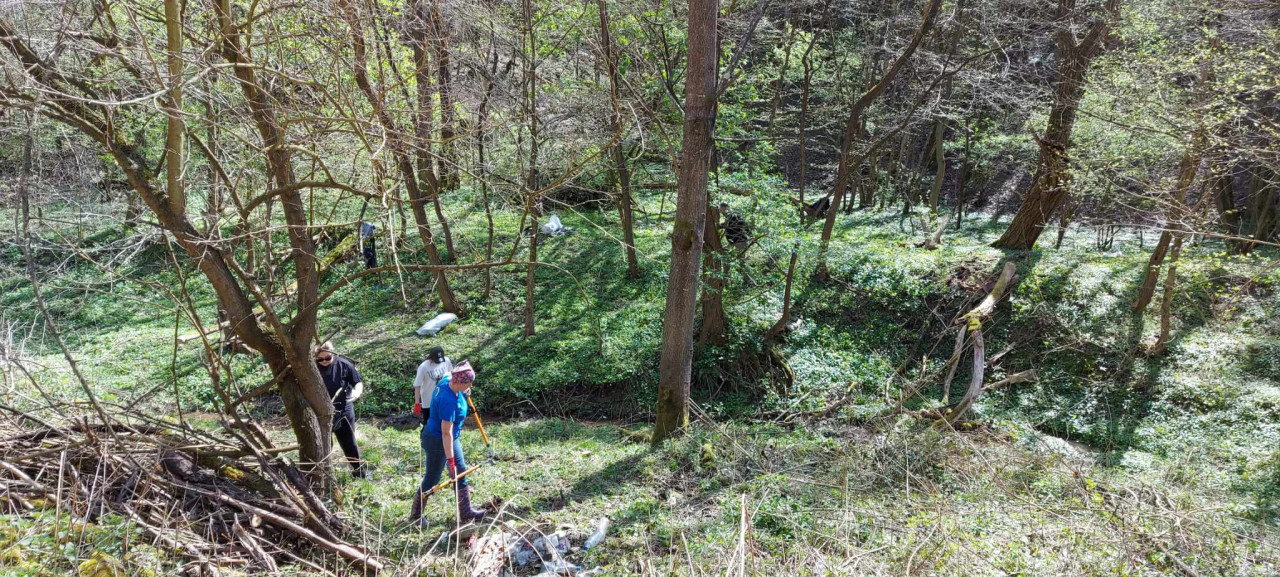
(801, 500)
(1111, 463)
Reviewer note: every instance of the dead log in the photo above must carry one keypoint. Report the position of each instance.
(250, 544)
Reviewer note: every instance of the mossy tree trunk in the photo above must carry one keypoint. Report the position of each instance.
(700, 92)
(1051, 184)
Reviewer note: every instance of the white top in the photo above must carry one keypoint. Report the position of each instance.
(429, 374)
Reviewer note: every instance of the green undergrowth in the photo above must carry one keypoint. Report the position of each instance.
(897, 499)
(1207, 407)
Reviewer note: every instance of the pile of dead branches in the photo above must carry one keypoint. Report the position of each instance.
(226, 499)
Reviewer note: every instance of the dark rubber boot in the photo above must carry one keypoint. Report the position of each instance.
(464, 506)
(415, 512)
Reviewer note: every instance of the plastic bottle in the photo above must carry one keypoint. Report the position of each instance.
(598, 536)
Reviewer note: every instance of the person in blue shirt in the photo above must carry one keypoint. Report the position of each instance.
(441, 443)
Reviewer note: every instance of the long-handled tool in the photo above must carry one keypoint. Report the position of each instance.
(445, 483)
(488, 449)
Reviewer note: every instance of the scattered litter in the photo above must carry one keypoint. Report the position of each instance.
(489, 554)
(554, 227)
(601, 529)
(559, 567)
(549, 550)
(524, 554)
(433, 326)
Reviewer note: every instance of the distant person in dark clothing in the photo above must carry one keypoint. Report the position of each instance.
(736, 230)
(368, 246)
(345, 386)
(815, 210)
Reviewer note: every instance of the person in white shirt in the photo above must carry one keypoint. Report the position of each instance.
(436, 367)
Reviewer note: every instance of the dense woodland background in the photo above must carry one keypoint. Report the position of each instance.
(996, 295)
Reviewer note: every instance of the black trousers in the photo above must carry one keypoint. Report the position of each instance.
(344, 428)
(370, 253)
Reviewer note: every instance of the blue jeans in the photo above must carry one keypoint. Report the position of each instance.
(433, 446)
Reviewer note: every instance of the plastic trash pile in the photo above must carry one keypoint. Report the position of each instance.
(554, 227)
(546, 553)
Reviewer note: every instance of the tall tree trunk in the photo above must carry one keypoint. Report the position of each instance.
(448, 159)
(1064, 221)
(715, 323)
(444, 80)
(781, 324)
(622, 176)
(215, 201)
(962, 180)
(286, 349)
(940, 120)
(175, 127)
(400, 151)
(805, 89)
(676, 363)
(1051, 184)
(420, 31)
(853, 124)
(531, 184)
(482, 128)
(940, 171)
(306, 400)
(1225, 201)
(1263, 197)
(780, 82)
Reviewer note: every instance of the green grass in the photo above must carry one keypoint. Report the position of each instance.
(816, 499)
(1199, 423)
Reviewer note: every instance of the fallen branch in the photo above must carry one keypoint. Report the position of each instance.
(972, 325)
(1022, 377)
(190, 490)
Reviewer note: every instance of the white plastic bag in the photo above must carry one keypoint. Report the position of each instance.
(433, 326)
(553, 227)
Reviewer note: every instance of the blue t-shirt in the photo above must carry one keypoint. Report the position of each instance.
(446, 405)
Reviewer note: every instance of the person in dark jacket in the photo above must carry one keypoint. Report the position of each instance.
(441, 443)
(736, 230)
(368, 246)
(345, 386)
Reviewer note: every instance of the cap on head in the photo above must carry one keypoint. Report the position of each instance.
(436, 355)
